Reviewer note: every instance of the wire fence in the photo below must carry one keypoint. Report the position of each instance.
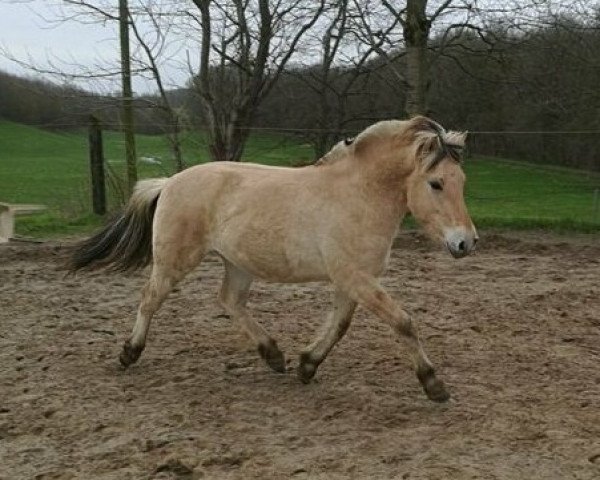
(117, 126)
(51, 167)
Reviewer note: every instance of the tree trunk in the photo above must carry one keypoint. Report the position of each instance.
(176, 147)
(416, 35)
(130, 156)
(321, 138)
(238, 131)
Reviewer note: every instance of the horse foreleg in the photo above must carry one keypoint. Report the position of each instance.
(233, 297)
(336, 326)
(365, 289)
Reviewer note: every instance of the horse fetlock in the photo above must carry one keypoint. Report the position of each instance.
(434, 388)
(274, 357)
(130, 353)
(307, 367)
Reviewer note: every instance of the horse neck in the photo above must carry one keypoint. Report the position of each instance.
(386, 182)
(380, 190)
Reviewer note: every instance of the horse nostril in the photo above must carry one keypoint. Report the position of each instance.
(461, 246)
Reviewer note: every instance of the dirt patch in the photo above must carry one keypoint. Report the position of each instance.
(514, 330)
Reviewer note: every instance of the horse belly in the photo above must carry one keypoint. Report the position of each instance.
(276, 262)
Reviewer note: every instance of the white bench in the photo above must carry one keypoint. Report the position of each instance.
(7, 217)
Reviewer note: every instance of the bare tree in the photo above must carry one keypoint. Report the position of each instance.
(152, 50)
(158, 18)
(412, 42)
(245, 46)
(92, 12)
(446, 21)
(150, 22)
(343, 62)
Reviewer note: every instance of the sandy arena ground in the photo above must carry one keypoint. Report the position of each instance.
(514, 331)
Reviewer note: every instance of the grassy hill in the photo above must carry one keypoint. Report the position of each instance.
(38, 166)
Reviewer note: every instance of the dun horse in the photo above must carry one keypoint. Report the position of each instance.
(333, 221)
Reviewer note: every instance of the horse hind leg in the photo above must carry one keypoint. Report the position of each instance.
(168, 269)
(233, 297)
(337, 324)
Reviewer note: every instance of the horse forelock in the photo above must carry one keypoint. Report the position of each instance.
(433, 143)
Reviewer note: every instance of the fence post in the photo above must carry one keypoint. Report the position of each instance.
(596, 203)
(97, 167)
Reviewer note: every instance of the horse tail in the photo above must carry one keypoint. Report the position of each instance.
(125, 243)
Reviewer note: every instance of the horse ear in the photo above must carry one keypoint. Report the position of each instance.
(434, 145)
(456, 138)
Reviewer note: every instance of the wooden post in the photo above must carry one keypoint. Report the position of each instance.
(7, 223)
(97, 167)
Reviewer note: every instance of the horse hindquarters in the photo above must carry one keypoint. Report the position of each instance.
(179, 243)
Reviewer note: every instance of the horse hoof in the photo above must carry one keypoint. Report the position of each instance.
(436, 391)
(433, 387)
(271, 354)
(307, 368)
(130, 354)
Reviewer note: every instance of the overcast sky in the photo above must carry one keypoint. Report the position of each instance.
(26, 35)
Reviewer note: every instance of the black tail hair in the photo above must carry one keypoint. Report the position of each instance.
(124, 244)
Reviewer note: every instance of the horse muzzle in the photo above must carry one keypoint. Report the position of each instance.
(460, 242)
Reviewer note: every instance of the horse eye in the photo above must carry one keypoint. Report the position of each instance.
(436, 185)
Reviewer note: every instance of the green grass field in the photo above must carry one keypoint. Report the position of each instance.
(506, 193)
(38, 166)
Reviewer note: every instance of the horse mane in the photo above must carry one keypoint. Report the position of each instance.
(431, 141)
